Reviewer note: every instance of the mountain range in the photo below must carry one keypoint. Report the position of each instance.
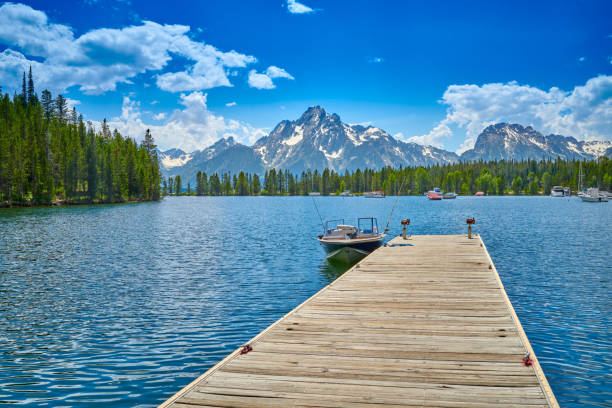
(318, 140)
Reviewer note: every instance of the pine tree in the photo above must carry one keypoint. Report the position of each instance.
(61, 107)
(199, 183)
(31, 93)
(148, 143)
(24, 92)
(47, 104)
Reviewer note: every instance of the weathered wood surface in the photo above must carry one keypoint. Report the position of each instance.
(423, 322)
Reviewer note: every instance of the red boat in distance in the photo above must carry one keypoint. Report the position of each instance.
(435, 194)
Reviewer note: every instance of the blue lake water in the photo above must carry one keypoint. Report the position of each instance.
(123, 305)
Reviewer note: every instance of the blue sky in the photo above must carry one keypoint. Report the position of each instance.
(430, 73)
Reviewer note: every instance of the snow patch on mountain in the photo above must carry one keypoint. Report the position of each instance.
(170, 162)
(296, 138)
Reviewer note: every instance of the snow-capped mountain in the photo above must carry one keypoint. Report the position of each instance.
(318, 140)
(224, 156)
(515, 142)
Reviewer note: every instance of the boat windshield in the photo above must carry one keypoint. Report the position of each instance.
(367, 226)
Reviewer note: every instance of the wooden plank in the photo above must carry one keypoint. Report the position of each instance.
(395, 330)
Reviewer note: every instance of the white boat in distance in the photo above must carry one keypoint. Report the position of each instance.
(374, 194)
(558, 191)
(593, 195)
(314, 193)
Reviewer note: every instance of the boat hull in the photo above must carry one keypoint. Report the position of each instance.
(367, 245)
(590, 199)
(347, 255)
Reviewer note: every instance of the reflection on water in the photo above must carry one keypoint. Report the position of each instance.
(123, 305)
(331, 270)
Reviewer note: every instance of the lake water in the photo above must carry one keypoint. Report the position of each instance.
(123, 305)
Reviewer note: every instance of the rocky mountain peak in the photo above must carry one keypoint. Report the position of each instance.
(512, 141)
(312, 115)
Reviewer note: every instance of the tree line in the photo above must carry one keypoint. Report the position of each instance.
(493, 178)
(49, 154)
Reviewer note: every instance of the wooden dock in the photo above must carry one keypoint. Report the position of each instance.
(423, 322)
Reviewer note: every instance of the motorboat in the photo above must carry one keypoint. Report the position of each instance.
(347, 243)
(435, 194)
(559, 191)
(346, 193)
(374, 194)
(448, 196)
(593, 195)
(479, 194)
(314, 194)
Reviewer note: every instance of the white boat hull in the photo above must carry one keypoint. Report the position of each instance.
(591, 199)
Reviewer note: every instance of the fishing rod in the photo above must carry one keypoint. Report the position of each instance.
(395, 203)
(317, 208)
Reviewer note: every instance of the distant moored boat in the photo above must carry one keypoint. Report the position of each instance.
(593, 195)
(374, 194)
(558, 191)
(435, 194)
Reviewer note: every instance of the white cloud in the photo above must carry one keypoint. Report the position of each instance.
(585, 112)
(276, 72)
(102, 58)
(264, 80)
(229, 104)
(191, 128)
(160, 116)
(72, 102)
(581, 59)
(295, 7)
(376, 60)
(260, 81)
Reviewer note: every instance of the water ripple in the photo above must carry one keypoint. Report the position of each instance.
(126, 304)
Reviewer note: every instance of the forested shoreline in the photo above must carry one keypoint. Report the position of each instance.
(493, 178)
(48, 154)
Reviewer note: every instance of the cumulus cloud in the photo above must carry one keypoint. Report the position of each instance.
(264, 80)
(102, 58)
(191, 128)
(585, 112)
(260, 81)
(295, 7)
(276, 72)
(160, 116)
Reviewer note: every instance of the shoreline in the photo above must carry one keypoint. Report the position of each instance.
(60, 203)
